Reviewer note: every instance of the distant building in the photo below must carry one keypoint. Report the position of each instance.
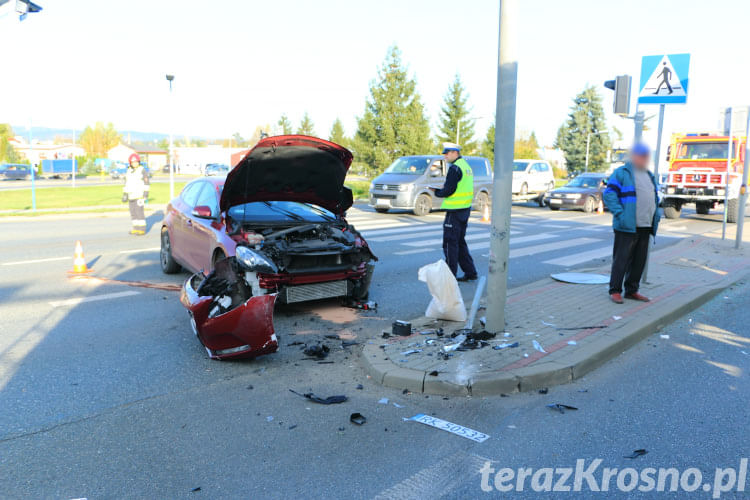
(555, 157)
(38, 151)
(193, 160)
(155, 158)
(120, 153)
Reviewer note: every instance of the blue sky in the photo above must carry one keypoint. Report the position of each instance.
(239, 64)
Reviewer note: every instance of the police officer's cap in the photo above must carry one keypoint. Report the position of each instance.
(450, 146)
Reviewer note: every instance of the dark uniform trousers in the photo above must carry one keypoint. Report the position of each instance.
(628, 260)
(454, 242)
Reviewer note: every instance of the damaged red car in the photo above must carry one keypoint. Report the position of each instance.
(284, 206)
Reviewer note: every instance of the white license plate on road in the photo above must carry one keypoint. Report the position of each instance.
(554, 201)
(380, 202)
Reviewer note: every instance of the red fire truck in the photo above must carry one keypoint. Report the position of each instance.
(698, 173)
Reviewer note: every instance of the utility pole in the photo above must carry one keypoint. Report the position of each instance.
(33, 171)
(505, 124)
(73, 160)
(588, 143)
(657, 154)
(743, 188)
(729, 166)
(170, 78)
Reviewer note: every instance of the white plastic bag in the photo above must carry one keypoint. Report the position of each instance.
(447, 302)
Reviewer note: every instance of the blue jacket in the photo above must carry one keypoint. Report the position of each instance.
(620, 200)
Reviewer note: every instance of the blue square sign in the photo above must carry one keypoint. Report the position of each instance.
(664, 79)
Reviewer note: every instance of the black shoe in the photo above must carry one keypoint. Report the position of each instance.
(467, 278)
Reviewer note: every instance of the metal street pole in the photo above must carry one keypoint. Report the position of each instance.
(726, 186)
(170, 78)
(638, 120)
(73, 160)
(33, 171)
(588, 143)
(458, 131)
(743, 189)
(505, 124)
(657, 154)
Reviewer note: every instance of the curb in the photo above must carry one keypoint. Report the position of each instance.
(546, 373)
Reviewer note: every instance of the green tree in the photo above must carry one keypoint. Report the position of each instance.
(586, 117)
(455, 123)
(526, 147)
(394, 122)
(488, 144)
(285, 125)
(306, 126)
(99, 139)
(337, 134)
(7, 153)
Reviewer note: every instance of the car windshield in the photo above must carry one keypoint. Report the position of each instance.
(703, 151)
(520, 166)
(279, 211)
(409, 165)
(584, 181)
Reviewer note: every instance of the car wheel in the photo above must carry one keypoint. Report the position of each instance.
(590, 205)
(482, 202)
(381, 210)
(554, 208)
(733, 210)
(422, 205)
(672, 211)
(702, 208)
(524, 189)
(168, 264)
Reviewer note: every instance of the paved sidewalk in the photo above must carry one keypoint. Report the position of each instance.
(577, 325)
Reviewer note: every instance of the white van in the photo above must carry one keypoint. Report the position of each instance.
(532, 176)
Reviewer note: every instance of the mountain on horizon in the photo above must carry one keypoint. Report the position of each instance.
(50, 133)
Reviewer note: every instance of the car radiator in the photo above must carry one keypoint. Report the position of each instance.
(315, 291)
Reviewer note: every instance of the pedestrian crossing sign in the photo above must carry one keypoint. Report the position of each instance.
(664, 79)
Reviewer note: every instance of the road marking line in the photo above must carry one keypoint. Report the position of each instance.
(547, 247)
(433, 231)
(417, 250)
(140, 250)
(376, 233)
(91, 298)
(439, 241)
(571, 260)
(35, 261)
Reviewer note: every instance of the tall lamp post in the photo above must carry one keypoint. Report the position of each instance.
(458, 127)
(170, 79)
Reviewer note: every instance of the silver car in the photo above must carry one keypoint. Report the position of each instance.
(405, 184)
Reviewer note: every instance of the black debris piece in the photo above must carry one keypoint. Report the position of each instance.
(433, 373)
(319, 351)
(470, 344)
(365, 305)
(341, 429)
(333, 337)
(433, 331)
(401, 328)
(250, 387)
(198, 488)
(444, 355)
(581, 327)
(357, 418)
(325, 362)
(636, 453)
(462, 331)
(405, 391)
(483, 335)
(360, 387)
(505, 346)
(331, 400)
(296, 342)
(292, 427)
(386, 335)
(561, 407)
(348, 343)
(503, 395)
(543, 390)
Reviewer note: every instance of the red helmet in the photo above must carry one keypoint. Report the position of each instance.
(135, 157)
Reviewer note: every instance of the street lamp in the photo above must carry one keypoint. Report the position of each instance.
(170, 78)
(588, 143)
(458, 126)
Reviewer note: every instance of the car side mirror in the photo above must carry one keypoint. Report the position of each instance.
(435, 172)
(203, 212)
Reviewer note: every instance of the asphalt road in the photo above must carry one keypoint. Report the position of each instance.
(105, 392)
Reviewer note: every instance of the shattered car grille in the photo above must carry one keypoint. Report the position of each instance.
(315, 291)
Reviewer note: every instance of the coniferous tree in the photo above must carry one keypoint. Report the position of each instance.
(455, 123)
(306, 126)
(337, 134)
(586, 117)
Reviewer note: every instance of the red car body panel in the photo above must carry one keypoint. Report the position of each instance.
(249, 325)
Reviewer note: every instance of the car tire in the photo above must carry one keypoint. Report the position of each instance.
(167, 262)
(422, 205)
(732, 210)
(482, 201)
(382, 210)
(524, 189)
(672, 211)
(554, 208)
(702, 208)
(590, 205)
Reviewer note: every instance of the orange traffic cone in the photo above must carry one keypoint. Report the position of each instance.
(79, 261)
(600, 209)
(486, 214)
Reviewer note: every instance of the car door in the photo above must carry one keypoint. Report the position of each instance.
(438, 166)
(546, 176)
(202, 235)
(181, 230)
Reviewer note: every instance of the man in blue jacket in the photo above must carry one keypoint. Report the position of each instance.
(632, 197)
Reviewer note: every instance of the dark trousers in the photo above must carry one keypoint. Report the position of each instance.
(628, 260)
(454, 242)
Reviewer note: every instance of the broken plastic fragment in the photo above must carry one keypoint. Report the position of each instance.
(505, 345)
(269, 418)
(433, 373)
(397, 405)
(456, 429)
(383, 401)
(357, 418)
(543, 390)
(617, 318)
(548, 324)
(572, 342)
(411, 351)
(331, 400)
(319, 351)
(561, 407)
(664, 336)
(636, 453)
(538, 346)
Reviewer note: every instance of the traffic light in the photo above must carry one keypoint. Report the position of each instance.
(621, 86)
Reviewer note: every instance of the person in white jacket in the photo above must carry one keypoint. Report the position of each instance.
(136, 193)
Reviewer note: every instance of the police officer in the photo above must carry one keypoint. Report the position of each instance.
(136, 193)
(458, 193)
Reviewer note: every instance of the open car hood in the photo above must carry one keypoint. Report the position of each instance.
(291, 168)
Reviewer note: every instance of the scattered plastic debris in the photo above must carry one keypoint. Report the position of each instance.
(538, 346)
(530, 333)
(383, 401)
(561, 407)
(365, 305)
(401, 328)
(269, 418)
(456, 429)
(617, 318)
(581, 278)
(433, 373)
(483, 335)
(357, 418)
(526, 355)
(453, 347)
(360, 387)
(572, 342)
(549, 324)
(666, 337)
(331, 400)
(636, 453)
(411, 351)
(505, 345)
(319, 351)
(511, 427)
(397, 405)
(197, 488)
(506, 334)
(543, 390)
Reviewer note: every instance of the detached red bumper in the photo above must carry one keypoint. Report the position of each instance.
(243, 332)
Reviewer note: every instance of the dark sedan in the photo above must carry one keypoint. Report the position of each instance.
(584, 192)
(11, 171)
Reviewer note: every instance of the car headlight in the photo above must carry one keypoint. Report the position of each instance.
(670, 190)
(404, 187)
(720, 192)
(574, 196)
(372, 186)
(251, 260)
